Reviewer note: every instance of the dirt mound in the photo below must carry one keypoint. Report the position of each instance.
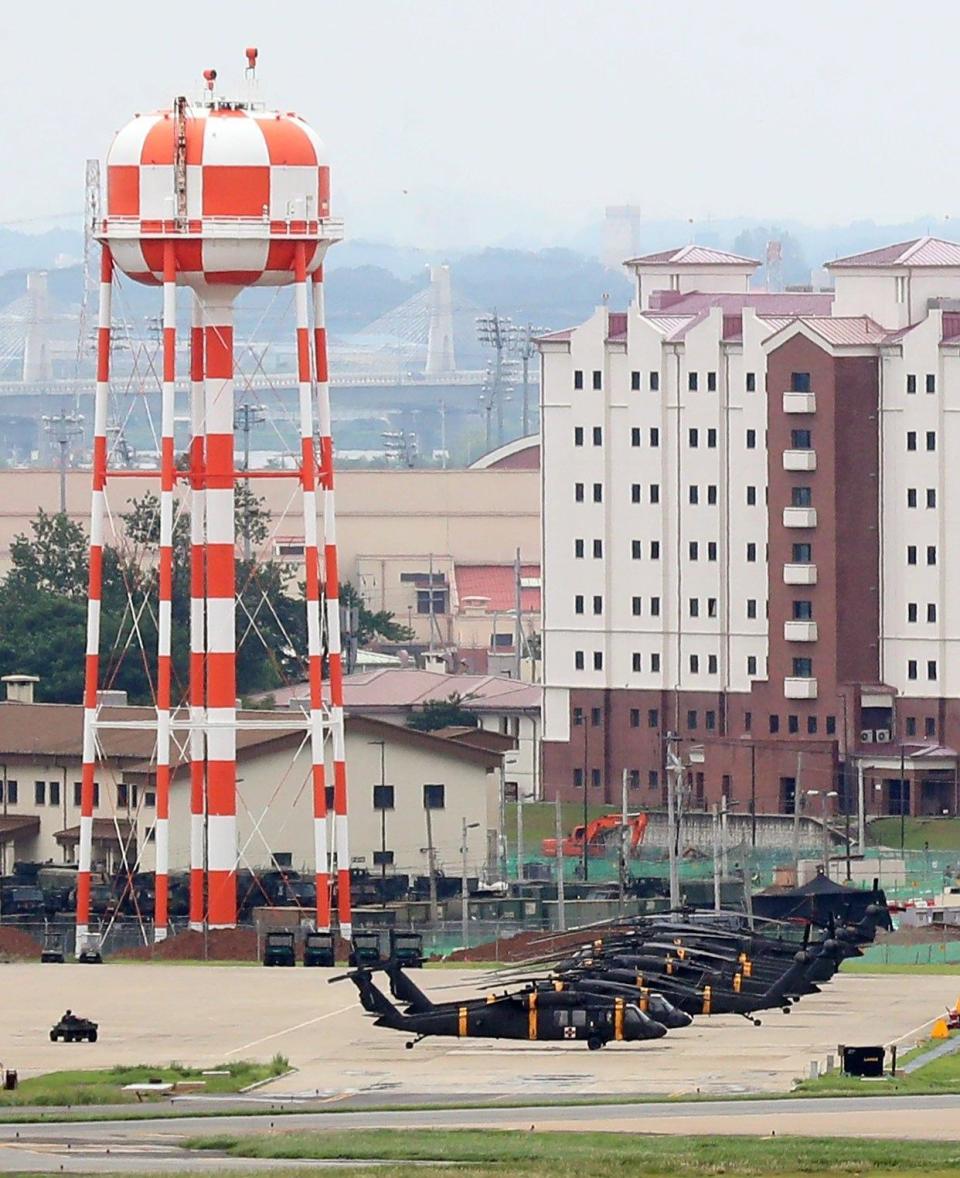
(221, 945)
(16, 945)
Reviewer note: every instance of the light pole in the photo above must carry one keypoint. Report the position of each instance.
(674, 775)
(383, 820)
(823, 795)
(499, 333)
(903, 800)
(464, 887)
(61, 428)
(246, 417)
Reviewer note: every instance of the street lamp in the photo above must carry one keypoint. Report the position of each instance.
(464, 889)
(383, 820)
(823, 795)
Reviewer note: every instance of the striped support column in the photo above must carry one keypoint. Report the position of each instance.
(197, 627)
(94, 593)
(164, 621)
(311, 555)
(221, 658)
(332, 581)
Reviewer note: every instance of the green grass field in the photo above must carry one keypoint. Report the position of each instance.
(105, 1086)
(597, 1155)
(940, 834)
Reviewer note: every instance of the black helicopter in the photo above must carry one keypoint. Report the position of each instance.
(534, 1013)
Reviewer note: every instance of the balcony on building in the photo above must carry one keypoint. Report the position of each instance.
(794, 688)
(801, 460)
(800, 631)
(799, 402)
(799, 574)
(799, 517)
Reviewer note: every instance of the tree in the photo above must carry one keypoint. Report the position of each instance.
(374, 624)
(442, 713)
(54, 560)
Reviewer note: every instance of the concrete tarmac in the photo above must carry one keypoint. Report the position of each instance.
(206, 1015)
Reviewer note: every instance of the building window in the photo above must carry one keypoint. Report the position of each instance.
(751, 496)
(578, 604)
(636, 550)
(901, 288)
(433, 797)
(911, 725)
(578, 435)
(710, 720)
(802, 611)
(653, 779)
(711, 607)
(577, 717)
(751, 607)
(637, 663)
(654, 382)
(711, 382)
(598, 660)
(751, 439)
(711, 664)
(633, 778)
(911, 381)
(149, 799)
(692, 381)
(931, 554)
(801, 497)
(911, 554)
(811, 725)
(635, 381)
(693, 437)
(126, 796)
(654, 492)
(598, 435)
(54, 793)
(634, 717)
(655, 663)
(694, 664)
(383, 797)
(911, 668)
(598, 492)
(578, 492)
(578, 660)
(800, 439)
(595, 778)
(694, 550)
(803, 668)
(382, 858)
(597, 549)
(597, 604)
(596, 717)
(694, 493)
(654, 549)
(431, 601)
(751, 382)
(774, 724)
(931, 611)
(597, 379)
(711, 550)
(653, 718)
(799, 382)
(748, 721)
(655, 607)
(711, 494)
(635, 493)
(578, 378)
(636, 603)
(694, 607)
(636, 436)
(911, 439)
(654, 436)
(911, 611)
(578, 778)
(11, 791)
(77, 792)
(931, 497)
(793, 724)
(578, 549)
(931, 669)
(929, 726)
(802, 553)
(911, 496)
(931, 440)
(40, 793)
(751, 664)
(711, 439)
(931, 383)
(692, 721)
(751, 553)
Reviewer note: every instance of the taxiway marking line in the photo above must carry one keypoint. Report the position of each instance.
(287, 1030)
(916, 1029)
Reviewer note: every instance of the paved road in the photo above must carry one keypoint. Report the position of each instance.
(156, 1145)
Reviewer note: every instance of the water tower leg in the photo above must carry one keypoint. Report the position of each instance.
(311, 557)
(332, 583)
(197, 620)
(94, 594)
(221, 612)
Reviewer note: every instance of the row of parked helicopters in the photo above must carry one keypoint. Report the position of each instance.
(638, 980)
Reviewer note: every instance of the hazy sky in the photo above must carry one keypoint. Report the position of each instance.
(519, 120)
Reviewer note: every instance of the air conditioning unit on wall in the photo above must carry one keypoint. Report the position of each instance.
(866, 736)
(882, 736)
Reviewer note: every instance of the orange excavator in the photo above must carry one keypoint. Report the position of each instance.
(600, 837)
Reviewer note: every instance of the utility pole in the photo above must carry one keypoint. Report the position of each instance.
(464, 885)
(61, 428)
(621, 894)
(519, 831)
(797, 804)
(861, 811)
(561, 882)
(527, 349)
(586, 860)
(245, 418)
(431, 867)
(499, 333)
(753, 796)
(674, 776)
(724, 811)
(518, 627)
(383, 822)
(716, 858)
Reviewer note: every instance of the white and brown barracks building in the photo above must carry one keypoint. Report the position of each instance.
(751, 535)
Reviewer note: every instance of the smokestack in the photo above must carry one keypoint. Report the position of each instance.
(20, 688)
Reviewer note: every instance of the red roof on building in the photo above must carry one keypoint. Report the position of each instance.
(496, 582)
(789, 302)
(692, 255)
(921, 251)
